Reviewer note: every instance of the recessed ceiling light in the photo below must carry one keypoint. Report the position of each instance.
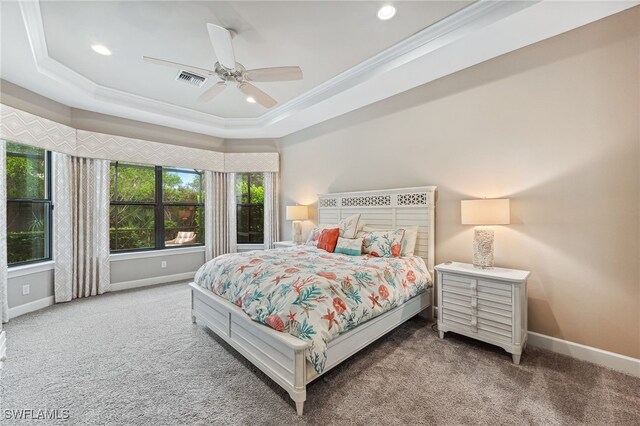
(98, 48)
(386, 12)
(251, 100)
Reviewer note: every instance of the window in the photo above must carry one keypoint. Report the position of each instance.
(155, 207)
(28, 204)
(250, 205)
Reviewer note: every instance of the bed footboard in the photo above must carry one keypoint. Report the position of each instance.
(278, 355)
(281, 356)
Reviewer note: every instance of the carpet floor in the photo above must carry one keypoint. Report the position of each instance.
(135, 358)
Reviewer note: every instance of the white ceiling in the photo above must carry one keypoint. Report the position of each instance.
(324, 38)
(349, 57)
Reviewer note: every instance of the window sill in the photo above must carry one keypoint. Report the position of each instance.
(34, 268)
(248, 247)
(117, 257)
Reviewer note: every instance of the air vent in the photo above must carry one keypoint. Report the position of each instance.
(191, 78)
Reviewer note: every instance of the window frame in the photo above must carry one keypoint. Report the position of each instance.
(47, 200)
(159, 204)
(249, 205)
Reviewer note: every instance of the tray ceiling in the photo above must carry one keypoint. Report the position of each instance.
(348, 56)
(324, 38)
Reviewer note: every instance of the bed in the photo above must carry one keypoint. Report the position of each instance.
(243, 297)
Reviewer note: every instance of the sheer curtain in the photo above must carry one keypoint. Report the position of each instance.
(271, 216)
(232, 211)
(219, 229)
(4, 307)
(81, 227)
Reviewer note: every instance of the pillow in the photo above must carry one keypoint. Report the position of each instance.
(382, 243)
(314, 235)
(328, 239)
(409, 240)
(348, 228)
(349, 246)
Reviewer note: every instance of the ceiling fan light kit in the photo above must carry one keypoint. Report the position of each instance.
(227, 70)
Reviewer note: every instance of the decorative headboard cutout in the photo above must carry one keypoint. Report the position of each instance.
(392, 208)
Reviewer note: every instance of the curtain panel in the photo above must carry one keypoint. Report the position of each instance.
(232, 212)
(271, 216)
(217, 219)
(81, 227)
(4, 306)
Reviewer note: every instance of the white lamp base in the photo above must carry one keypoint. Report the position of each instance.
(483, 247)
(297, 231)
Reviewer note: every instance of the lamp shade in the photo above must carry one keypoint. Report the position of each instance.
(485, 212)
(297, 212)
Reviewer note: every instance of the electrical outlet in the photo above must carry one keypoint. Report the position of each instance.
(26, 289)
(164, 264)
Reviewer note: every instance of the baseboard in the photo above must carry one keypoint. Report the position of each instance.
(611, 360)
(3, 348)
(16, 311)
(126, 285)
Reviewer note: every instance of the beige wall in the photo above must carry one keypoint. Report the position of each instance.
(554, 127)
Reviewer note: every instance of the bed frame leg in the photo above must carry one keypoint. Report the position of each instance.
(299, 407)
(193, 319)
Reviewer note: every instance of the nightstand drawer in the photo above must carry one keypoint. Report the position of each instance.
(456, 298)
(469, 314)
(458, 284)
(494, 291)
(497, 333)
(499, 308)
(460, 309)
(453, 316)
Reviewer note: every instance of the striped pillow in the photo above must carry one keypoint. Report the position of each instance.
(349, 246)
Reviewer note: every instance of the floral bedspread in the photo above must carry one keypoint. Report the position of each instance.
(312, 294)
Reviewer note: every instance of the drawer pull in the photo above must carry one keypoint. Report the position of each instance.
(474, 322)
(474, 285)
(474, 303)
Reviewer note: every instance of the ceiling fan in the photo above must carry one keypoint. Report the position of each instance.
(230, 71)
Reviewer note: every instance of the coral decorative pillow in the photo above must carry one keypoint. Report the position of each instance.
(382, 243)
(408, 241)
(328, 239)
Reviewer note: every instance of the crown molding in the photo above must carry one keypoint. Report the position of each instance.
(480, 31)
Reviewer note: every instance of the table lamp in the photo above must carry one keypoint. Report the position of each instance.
(297, 214)
(484, 212)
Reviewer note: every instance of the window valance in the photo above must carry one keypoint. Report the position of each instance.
(29, 129)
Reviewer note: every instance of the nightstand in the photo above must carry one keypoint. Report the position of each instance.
(485, 304)
(283, 244)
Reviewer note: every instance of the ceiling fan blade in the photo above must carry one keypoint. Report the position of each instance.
(221, 40)
(212, 92)
(275, 74)
(257, 94)
(201, 71)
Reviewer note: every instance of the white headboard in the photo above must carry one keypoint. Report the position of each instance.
(391, 208)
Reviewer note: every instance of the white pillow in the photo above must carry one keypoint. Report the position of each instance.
(409, 240)
(348, 229)
(349, 226)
